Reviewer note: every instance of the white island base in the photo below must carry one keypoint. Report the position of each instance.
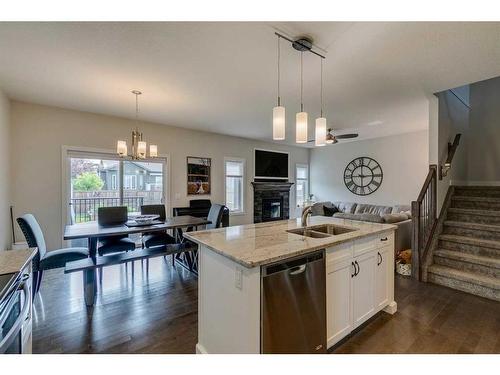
(360, 283)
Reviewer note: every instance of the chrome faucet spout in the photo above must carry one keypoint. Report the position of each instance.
(306, 212)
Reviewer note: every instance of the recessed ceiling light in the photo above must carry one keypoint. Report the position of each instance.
(375, 123)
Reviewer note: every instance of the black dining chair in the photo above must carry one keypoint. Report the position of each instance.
(155, 238)
(111, 216)
(215, 215)
(45, 260)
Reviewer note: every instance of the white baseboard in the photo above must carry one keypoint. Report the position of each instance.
(474, 183)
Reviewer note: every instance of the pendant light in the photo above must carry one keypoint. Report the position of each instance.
(320, 136)
(301, 117)
(279, 110)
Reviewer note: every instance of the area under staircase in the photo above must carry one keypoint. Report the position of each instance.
(467, 255)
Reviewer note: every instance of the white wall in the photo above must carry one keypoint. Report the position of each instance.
(453, 119)
(39, 132)
(404, 160)
(484, 136)
(5, 227)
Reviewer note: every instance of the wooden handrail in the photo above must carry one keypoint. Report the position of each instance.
(424, 220)
(452, 148)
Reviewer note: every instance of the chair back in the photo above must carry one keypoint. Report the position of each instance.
(34, 236)
(154, 209)
(107, 216)
(215, 216)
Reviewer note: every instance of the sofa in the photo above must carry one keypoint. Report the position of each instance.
(399, 215)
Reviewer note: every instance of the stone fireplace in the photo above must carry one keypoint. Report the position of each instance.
(271, 201)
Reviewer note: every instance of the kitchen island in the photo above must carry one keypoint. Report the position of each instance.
(358, 272)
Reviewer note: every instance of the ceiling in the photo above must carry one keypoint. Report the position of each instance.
(221, 77)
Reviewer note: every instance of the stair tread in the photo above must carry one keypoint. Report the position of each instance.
(470, 277)
(470, 241)
(469, 258)
(468, 225)
(475, 199)
(474, 211)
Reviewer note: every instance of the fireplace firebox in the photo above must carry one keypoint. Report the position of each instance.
(271, 201)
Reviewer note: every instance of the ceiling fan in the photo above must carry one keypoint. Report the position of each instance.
(332, 139)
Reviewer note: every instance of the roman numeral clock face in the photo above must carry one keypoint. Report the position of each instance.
(363, 176)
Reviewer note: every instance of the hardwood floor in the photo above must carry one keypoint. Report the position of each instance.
(156, 312)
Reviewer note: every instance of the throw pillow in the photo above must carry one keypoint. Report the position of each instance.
(329, 211)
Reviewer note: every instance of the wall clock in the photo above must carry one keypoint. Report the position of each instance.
(363, 176)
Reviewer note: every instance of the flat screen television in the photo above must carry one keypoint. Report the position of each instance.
(271, 165)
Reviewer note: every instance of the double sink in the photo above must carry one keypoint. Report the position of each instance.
(322, 230)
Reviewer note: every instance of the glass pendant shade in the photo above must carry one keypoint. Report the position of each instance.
(279, 123)
(153, 151)
(320, 136)
(301, 127)
(141, 149)
(121, 148)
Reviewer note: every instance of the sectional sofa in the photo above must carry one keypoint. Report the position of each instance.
(399, 215)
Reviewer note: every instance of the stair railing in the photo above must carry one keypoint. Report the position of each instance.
(452, 147)
(424, 220)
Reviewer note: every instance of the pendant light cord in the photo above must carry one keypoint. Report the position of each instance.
(279, 99)
(301, 81)
(321, 88)
(137, 111)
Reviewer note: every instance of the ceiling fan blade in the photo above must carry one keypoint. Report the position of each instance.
(346, 136)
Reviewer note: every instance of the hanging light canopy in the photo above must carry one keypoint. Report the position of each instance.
(320, 134)
(139, 147)
(279, 110)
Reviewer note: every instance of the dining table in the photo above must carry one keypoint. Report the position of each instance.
(92, 231)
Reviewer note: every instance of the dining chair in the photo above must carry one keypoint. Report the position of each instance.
(215, 216)
(45, 260)
(155, 238)
(112, 216)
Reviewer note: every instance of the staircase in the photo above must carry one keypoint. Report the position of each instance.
(467, 256)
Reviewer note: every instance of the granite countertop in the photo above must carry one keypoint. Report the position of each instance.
(263, 243)
(15, 260)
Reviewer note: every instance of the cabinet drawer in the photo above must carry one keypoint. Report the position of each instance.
(338, 254)
(363, 245)
(384, 239)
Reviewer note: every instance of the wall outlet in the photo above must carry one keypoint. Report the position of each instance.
(177, 196)
(238, 278)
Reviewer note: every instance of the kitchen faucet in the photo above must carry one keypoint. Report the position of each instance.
(306, 211)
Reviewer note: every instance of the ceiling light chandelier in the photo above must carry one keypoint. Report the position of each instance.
(139, 146)
(301, 118)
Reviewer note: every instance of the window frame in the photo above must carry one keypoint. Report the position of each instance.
(68, 152)
(297, 166)
(243, 182)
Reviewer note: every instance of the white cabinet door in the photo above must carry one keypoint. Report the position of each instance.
(338, 301)
(382, 272)
(363, 305)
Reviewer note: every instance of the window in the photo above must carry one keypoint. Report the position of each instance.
(301, 184)
(234, 174)
(130, 182)
(100, 180)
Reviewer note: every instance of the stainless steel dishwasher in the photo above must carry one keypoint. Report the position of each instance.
(293, 303)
